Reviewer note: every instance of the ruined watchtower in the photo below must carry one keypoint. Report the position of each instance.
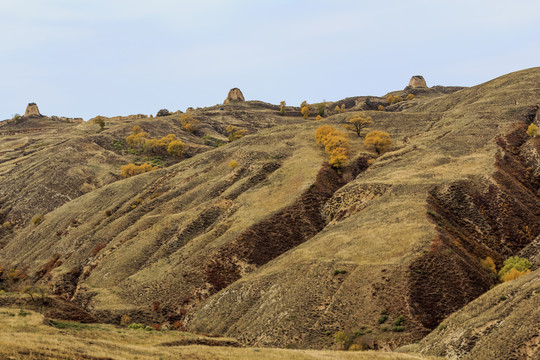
(32, 111)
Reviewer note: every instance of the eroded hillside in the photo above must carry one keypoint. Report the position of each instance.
(282, 250)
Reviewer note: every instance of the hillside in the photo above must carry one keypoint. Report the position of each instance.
(281, 250)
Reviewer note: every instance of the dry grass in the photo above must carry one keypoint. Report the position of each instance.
(27, 337)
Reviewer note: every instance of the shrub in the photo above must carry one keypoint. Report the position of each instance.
(341, 339)
(337, 272)
(233, 164)
(37, 220)
(489, 264)
(132, 169)
(304, 103)
(383, 319)
(163, 112)
(176, 148)
(318, 118)
(7, 225)
(342, 107)
(358, 123)
(532, 130)
(155, 306)
(381, 108)
(177, 325)
(393, 99)
(189, 123)
(399, 321)
(124, 320)
(235, 133)
(398, 328)
(337, 109)
(520, 267)
(379, 140)
(282, 107)
(156, 327)
(409, 97)
(357, 347)
(137, 326)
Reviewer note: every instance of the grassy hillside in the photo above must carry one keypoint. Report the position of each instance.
(28, 335)
(281, 250)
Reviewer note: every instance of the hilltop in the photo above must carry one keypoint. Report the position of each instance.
(281, 250)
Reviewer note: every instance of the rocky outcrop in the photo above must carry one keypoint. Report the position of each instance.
(32, 111)
(235, 95)
(417, 81)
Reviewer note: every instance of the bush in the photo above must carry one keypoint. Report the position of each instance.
(381, 108)
(233, 164)
(341, 339)
(338, 272)
(99, 120)
(235, 133)
(410, 97)
(318, 118)
(98, 248)
(337, 109)
(489, 264)
(189, 123)
(282, 107)
(398, 328)
(514, 267)
(393, 99)
(124, 320)
(137, 326)
(532, 130)
(176, 148)
(383, 319)
(37, 220)
(163, 112)
(132, 169)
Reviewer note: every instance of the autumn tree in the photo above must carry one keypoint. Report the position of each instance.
(379, 140)
(235, 133)
(282, 107)
(319, 118)
(335, 143)
(532, 130)
(137, 139)
(337, 109)
(393, 99)
(304, 103)
(409, 97)
(305, 112)
(189, 123)
(380, 108)
(99, 120)
(342, 107)
(359, 122)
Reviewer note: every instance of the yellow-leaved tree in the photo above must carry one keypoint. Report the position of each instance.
(359, 122)
(335, 143)
(305, 111)
(282, 107)
(176, 148)
(379, 140)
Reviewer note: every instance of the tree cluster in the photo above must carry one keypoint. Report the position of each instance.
(132, 169)
(335, 144)
(142, 141)
(189, 123)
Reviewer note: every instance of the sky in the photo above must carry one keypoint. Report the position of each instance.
(116, 57)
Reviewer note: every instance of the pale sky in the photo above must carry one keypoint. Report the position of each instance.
(82, 58)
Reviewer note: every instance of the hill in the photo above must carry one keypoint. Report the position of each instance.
(281, 250)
